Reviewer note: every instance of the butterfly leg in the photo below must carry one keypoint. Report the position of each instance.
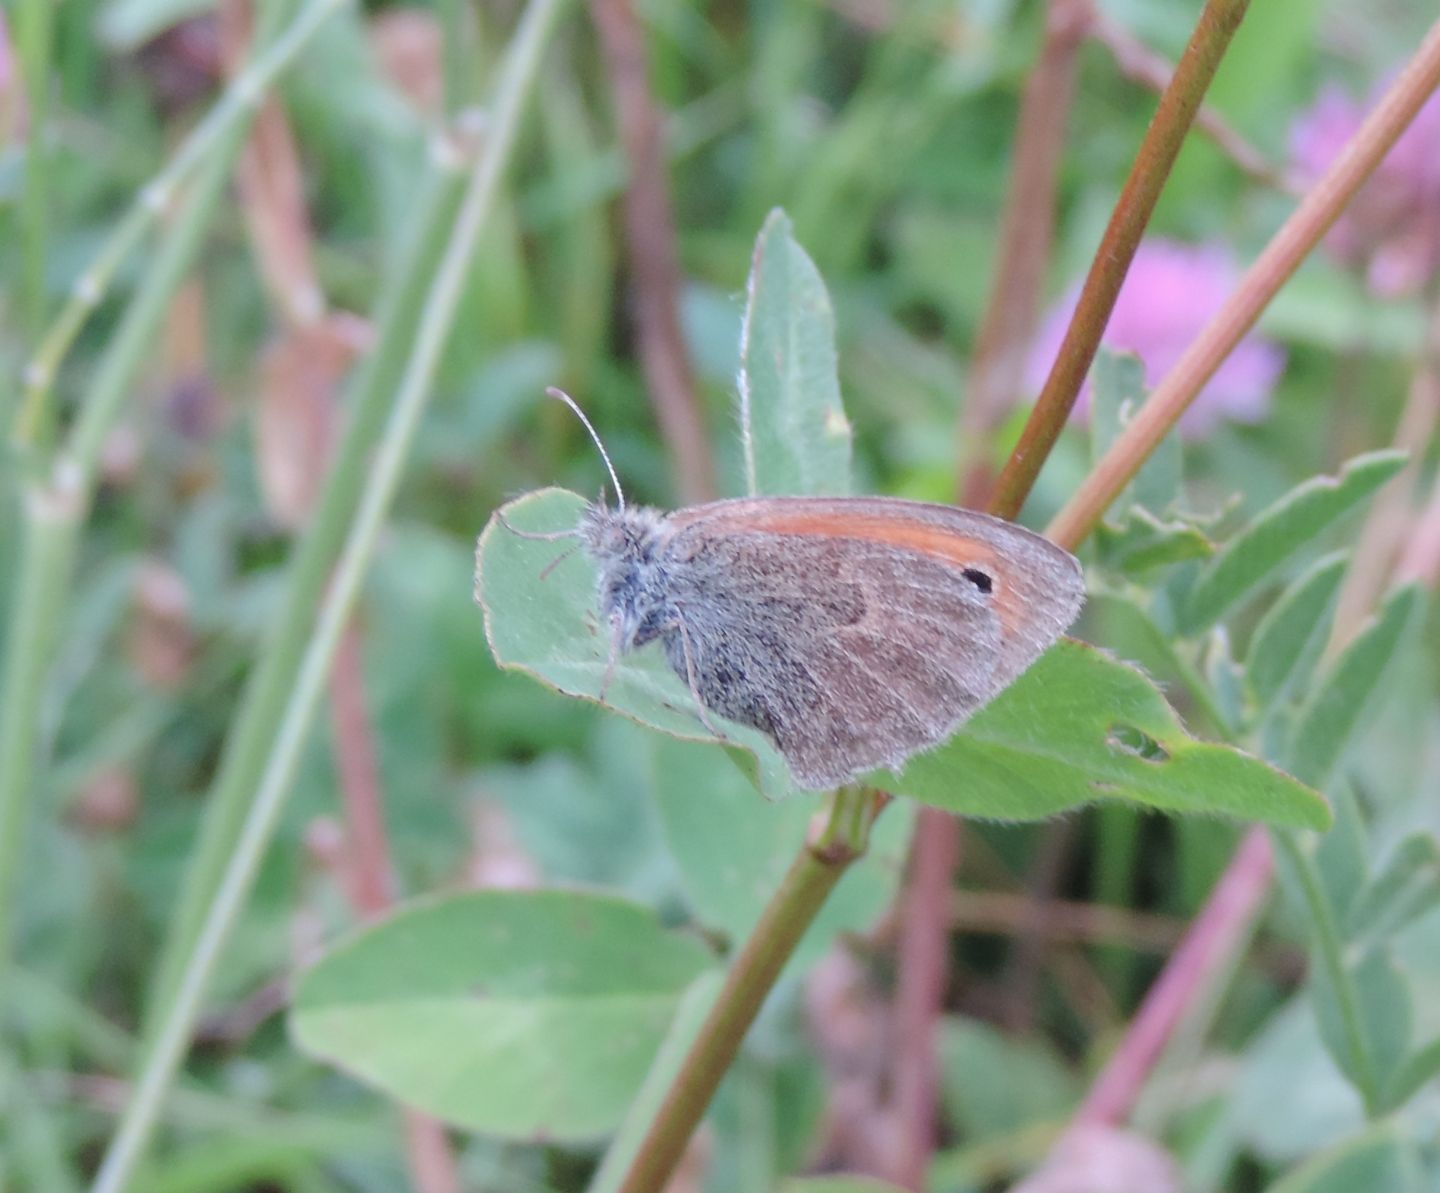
(690, 677)
(530, 534)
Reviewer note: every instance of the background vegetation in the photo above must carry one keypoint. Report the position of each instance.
(275, 319)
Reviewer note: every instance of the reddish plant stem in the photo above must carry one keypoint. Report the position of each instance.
(1027, 228)
(369, 874)
(1236, 900)
(1027, 951)
(995, 377)
(1421, 560)
(920, 994)
(1301, 233)
(924, 940)
(654, 263)
(1223, 924)
(1172, 120)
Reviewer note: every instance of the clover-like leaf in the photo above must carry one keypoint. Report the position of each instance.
(520, 1014)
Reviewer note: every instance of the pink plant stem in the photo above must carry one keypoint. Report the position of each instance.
(1391, 518)
(1220, 929)
(1301, 233)
(1421, 560)
(654, 261)
(368, 872)
(920, 994)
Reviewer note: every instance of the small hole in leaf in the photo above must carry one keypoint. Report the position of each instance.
(1134, 741)
(979, 579)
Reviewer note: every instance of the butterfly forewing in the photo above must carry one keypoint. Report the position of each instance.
(858, 631)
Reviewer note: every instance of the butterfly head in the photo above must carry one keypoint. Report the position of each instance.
(633, 581)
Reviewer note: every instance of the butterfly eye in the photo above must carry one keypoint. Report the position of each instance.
(979, 579)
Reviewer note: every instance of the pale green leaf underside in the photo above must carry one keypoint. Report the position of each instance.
(1054, 740)
(519, 1014)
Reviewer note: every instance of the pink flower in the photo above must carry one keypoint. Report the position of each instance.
(1170, 293)
(1392, 227)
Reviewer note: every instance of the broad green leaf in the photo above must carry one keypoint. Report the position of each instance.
(793, 428)
(1293, 631)
(1379, 1160)
(1129, 632)
(1406, 1081)
(521, 1014)
(838, 1184)
(1370, 1047)
(1117, 393)
(732, 850)
(1280, 533)
(547, 628)
(1406, 888)
(1080, 727)
(1077, 728)
(1354, 684)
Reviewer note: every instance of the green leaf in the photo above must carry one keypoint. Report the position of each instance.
(1280, 533)
(1076, 728)
(1117, 393)
(731, 849)
(838, 1184)
(1293, 631)
(1342, 865)
(547, 628)
(1378, 1160)
(995, 1085)
(793, 428)
(1345, 695)
(1143, 543)
(1080, 727)
(1405, 889)
(521, 1014)
(1406, 1081)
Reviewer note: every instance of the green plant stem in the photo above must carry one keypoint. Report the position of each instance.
(46, 551)
(54, 507)
(804, 889)
(436, 320)
(1172, 120)
(257, 723)
(233, 110)
(34, 35)
(1327, 939)
(1310, 221)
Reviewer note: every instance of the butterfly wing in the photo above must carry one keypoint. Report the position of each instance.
(857, 631)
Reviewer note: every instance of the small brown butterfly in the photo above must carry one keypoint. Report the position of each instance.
(853, 631)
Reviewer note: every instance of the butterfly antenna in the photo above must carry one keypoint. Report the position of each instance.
(561, 396)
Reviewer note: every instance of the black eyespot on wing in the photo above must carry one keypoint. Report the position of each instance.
(979, 579)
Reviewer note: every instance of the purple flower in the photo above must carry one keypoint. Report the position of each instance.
(1391, 229)
(1170, 293)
